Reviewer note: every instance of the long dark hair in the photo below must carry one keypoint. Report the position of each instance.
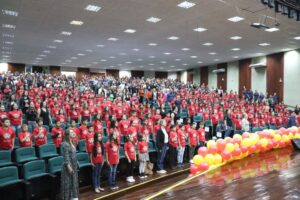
(111, 139)
(95, 152)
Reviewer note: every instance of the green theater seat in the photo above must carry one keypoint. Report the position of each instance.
(47, 151)
(5, 158)
(25, 154)
(55, 164)
(83, 159)
(85, 169)
(82, 146)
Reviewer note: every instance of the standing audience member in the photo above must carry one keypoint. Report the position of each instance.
(130, 155)
(162, 141)
(7, 136)
(25, 138)
(112, 154)
(143, 154)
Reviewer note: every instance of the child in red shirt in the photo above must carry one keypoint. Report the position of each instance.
(112, 155)
(89, 139)
(40, 133)
(201, 135)
(143, 153)
(83, 130)
(173, 146)
(57, 134)
(7, 136)
(97, 160)
(15, 117)
(193, 141)
(181, 145)
(25, 138)
(75, 132)
(130, 155)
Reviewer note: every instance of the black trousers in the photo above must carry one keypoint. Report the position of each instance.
(172, 156)
(130, 168)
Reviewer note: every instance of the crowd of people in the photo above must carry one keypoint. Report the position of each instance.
(174, 117)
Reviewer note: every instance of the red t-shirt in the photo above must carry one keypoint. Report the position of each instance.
(15, 117)
(124, 125)
(143, 147)
(181, 138)
(73, 114)
(193, 137)
(89, 139)
(201, 134)
(6, 138)
(83, 130)
(278, 121)
(99, 157)
(130, 150)
(75, 136)
(133, 131)
(85, 113)
(173, 139)
(60, 134)
(112, 153)
(215, 119)
(61, 118)
(40, 136)
(28, 141)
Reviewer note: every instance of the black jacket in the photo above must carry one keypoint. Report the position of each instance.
(160, 139)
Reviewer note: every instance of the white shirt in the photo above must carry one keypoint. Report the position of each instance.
(166, 140)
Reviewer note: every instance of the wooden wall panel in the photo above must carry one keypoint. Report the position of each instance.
(190, 76)
(179, 76)
(81, 72)
(275, 70)
(204, 75)
(161, 75)
(244, 75)
(113, 72)
(54, 70)
(15, 67)
(137, 74)
(222, 77)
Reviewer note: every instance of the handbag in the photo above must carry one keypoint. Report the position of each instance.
(149, 168)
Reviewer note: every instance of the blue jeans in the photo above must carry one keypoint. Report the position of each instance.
(228, 131)
(161, 154)
(97, 175)
(180, 154)
(112, 175)
(16, 129)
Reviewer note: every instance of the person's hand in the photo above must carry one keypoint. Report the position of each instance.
(70, 170)
(93, 165)
(129, 160)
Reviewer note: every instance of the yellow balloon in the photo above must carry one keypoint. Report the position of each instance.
(246, 142)
(209, 159)
(277, 137)
(291, 136)
(211, 143)
(297, 135)
(197, 159)
(264, 142)
(237, 136)
(229, 147)
(218, 159)
(285, 138)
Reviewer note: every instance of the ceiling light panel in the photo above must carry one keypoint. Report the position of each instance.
(186, 4)
(235, 49)
(8, 35)
(113, 39)
(10, 13)
(8, 26)
(297, 38)
(235, 19)
(52, 47)
(57, 41)
(153, 19)
(65, 33)
(272, 29)
(208, 44)
(185, 49)
(264, 44)
(212, 53)
(100, 45)
(130, 31)
(92, 8)
(173, 38)
(236, 37)
(152, 44)
(194, 56)
(200, 29)
(76, 23)
(167, 53)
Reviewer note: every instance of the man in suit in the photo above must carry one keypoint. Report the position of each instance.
(162, 141)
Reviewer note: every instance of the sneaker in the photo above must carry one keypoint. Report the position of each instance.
(141, 176)
(113, 188)
(117, 187)
(101, 189)
(161, 171)
(97, 190)
(132, 179)
(145, 176)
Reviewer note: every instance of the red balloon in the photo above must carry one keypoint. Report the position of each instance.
(252, 148)
(258, 145)
(202, 151)
(275, 143)
(226, 155)
(193, 169)
(246, 135)
(203, 166)
(264, 149)
(236, 152)
(237, 141)
(229, 140)
(243, 149)
(281, 143)
(221, 144)
(212, 149)
(270, 144)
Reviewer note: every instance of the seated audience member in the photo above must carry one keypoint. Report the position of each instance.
(245, 123)
(7, 136)
(57, 134)
(25, 138)
(292, 120)
(40, 133)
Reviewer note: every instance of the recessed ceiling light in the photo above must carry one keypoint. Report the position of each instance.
(177, 59)
(39, 58)
(236, 37)
(112, 57)
(80, 54)
(212, 53)
(151, 64)
(8, 35)
(103, 60)
(273, 29)
(8, 42)
(264, 44)
(199, 62)
(92, 8)
(74, 58)
(163, 62)
(152, 44)
(10, 12)
(194, 56)
(151, 56)
(153, 19)
(297, 38)
(8, 26)
(208, 44)
(52, 47)
(111, 66)
(184, 64)
(120, 64)
(100, 45)
(172, 66)
(141, 66)
(235, 57)
(57, 41)
(173, 38)
(167, 53)
(76, 23)
(123, 54)
(112, 39)
(63, 63)
(235, 49)
(179, 69)
(65, 33)
(216, 59)
(185, 49)
(130, 31)
(89, 50)
(235, 19)
(68, 61)
(128, 62)
(43, 55)
(139, 59)
(47, 51)
(135, 49)
(161, 68)
(200, 29)
(95, 63)
(186, 4)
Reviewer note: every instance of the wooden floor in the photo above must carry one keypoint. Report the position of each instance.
(272, 175)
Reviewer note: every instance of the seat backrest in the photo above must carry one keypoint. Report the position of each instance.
(46, 149)
(82, 158)
(122, 152)
(55, 164)
(24, 152)
(5, 156)
(34, 169)
(150, 146)
(8, 174)
(82, 145)
(104, 139)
